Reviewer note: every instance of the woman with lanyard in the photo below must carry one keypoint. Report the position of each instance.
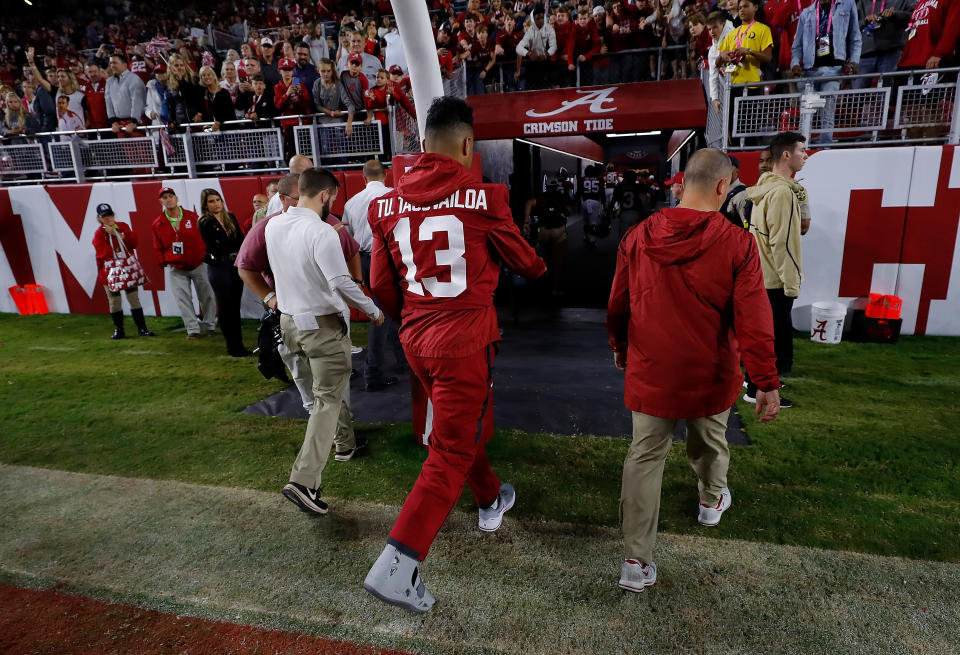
(746, 49)
(827, 46)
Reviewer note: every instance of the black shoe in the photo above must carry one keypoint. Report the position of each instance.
(239, 353)
(381, 385)
(308, 500)
(347, 455)
(141, 324)
(118, 332)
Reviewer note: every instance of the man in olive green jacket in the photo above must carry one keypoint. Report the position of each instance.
(775, 223)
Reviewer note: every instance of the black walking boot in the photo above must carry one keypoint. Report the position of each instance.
(141, 324)
(118, 332)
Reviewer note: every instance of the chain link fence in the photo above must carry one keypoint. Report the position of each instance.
(22, 159)
(925, 105)
(887, 114)
(107, 154)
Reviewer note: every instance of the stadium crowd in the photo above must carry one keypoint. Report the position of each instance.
(130, 66)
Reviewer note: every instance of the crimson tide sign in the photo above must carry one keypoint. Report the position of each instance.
(641, 106)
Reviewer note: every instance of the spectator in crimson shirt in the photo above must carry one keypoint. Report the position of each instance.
(467, 43)
(563, 28)
(446, 52)
(626, 34)
(506, 51)
(932, 35)
(582, 46)
(484, 52)
(782, 17)
(375, 98)
(473, 9)
(291, 98)
(93, 91)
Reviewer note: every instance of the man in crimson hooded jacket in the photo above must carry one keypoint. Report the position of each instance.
(431, 270)
(687, 303)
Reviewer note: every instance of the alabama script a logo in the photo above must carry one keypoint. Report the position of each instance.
(594, 99)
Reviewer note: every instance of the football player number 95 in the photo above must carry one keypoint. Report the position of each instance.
(451, 256)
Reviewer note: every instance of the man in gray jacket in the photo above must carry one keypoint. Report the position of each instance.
(125, 97)
(827, 44)
(884, 27)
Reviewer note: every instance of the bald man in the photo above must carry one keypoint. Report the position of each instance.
(687, 303)
(298, 164)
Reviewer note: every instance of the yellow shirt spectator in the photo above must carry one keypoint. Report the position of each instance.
(755, 37)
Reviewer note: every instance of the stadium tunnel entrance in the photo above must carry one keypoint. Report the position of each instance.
(533, 138)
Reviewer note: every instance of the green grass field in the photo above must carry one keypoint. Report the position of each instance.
(867, 461)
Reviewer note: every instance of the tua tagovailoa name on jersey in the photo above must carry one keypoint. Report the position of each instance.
(461, 199)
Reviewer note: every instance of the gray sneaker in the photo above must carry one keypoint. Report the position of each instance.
(637, 576)
(491, 517)
(395, 579)
(709, 515)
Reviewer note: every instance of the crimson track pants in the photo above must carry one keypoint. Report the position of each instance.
(461, 391)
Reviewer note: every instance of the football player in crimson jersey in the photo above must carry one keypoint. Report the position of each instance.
(432, 271)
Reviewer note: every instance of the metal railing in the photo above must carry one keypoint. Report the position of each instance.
(239, 146)
(627, 65)
(321, 141)
(901, 109)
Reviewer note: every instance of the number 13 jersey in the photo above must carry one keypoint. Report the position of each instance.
(434, 241)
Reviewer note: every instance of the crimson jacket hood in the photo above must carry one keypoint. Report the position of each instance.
(676, 235)
(433, 178)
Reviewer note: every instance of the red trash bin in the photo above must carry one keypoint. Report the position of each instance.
(20, 300)
(34, 294)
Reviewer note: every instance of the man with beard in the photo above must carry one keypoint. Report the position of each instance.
(312, 284)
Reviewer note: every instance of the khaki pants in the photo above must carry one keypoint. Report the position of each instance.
(328, 350)
(708, 453)
(179, 284)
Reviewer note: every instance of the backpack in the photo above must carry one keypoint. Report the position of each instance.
(728, 210)
(269, 337)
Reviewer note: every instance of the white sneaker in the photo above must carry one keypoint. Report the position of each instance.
(710, 515)
(395, 579)
(637, 576)
(491, 517)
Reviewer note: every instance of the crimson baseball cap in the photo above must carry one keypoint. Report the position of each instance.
(165, 190)
(160, 68)
(395, 70)
(676, 179)
(355, 57)
(286, 64)
(103, 209)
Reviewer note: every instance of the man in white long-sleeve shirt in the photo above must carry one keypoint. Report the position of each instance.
(719, 27)
(538, 45)
(355, 216)
(125, 97)
(313, 287)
